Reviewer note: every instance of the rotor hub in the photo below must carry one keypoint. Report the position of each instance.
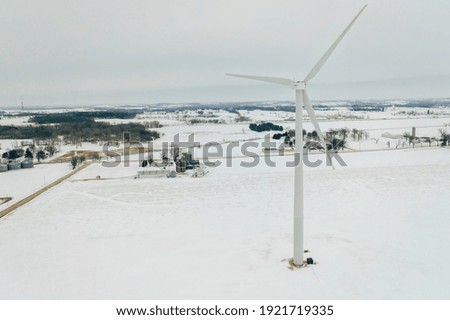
(299, 85)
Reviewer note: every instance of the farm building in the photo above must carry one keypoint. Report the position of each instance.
(152, 172)
(14, 165)
(27, 164)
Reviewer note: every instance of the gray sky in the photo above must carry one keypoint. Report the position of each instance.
(56, 52)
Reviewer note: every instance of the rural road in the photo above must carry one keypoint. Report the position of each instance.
(40, 191)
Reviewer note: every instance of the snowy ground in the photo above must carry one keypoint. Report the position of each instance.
(378, 228)
(15, 121)
(20, 183)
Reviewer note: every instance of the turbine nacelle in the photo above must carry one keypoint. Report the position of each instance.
(298, 85)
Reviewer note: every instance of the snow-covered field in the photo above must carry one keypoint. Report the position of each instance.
(15, 121)
(377, 228)
(20, 183)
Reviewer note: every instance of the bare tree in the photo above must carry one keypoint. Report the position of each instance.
(354, 134)
(343, 133)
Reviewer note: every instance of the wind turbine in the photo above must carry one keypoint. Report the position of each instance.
(302, 99)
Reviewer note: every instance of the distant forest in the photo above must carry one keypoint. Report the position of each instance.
(79, 127)
(48, 118)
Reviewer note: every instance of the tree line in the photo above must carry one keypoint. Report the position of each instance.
(76, 116)
(267, 126)
(30, 153)
(79, 131)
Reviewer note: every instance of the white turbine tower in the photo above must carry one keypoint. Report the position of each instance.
(302, 99)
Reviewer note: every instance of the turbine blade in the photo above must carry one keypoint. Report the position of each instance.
(328, 53)
(283, 81)
(312, 117)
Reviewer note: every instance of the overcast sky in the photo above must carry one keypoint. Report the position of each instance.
(58, 52)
